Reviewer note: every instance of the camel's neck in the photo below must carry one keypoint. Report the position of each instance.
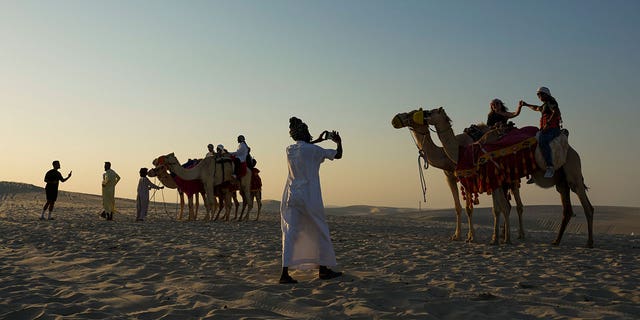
(434, 154)
(166, 180)
(448, 140)
(186, 174)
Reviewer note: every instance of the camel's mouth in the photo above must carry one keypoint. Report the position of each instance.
(396, 122)
(159, 161)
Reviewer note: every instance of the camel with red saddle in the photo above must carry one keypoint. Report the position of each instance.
(567, 163)
(435, 156)
(255, 192)
(209, 171)
(189, 187)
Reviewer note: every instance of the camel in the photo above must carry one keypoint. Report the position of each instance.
(190, 188)
(568, 177)
(436, 157)
(233, 188)
(209, 171)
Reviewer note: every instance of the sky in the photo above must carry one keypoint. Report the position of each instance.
(85, 82)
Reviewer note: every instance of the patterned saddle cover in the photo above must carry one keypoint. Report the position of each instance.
(484, 167)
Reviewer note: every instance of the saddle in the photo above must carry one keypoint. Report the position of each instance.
(474, 132)
(559, 148)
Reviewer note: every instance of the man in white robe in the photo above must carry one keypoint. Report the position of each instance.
(306, 242)
(109, 180)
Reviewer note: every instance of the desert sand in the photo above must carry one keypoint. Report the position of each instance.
(398, 263)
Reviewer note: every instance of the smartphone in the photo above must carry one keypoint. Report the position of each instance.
(329, 135)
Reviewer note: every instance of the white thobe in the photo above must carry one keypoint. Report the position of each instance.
(306, 242)
(242, 152)
(142, 200)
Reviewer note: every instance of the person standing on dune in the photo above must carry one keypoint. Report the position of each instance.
(109, 180)
(306, 242)
(53, 177)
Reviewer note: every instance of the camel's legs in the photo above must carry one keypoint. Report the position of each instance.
(220, 201)
(515, 191)
(258, 196)
(469, 210)
(227, 205)
(496, 221)
(210, 201)
(588, 212)
(576, 183)
(190, 201)
(567, 211)
(500, 194)
(195, 214)
(236, 203)
(181, 194)
(453, 186)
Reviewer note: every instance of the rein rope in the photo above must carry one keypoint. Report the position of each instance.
(164, 203)
(421, 167)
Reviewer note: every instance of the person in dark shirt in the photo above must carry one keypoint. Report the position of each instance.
(53, 177)
(499, 113)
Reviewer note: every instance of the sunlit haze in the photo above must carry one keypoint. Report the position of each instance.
(85, 82)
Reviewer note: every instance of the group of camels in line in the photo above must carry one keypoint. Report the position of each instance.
(212, 178)
(568, 177)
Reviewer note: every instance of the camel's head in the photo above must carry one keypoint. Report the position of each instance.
(153, 172)
(437, 116)
(412, 119)
(166, 160)
(164, 176)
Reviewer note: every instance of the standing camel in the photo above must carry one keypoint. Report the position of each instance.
(205, 171)
(436, 156)
(189, 187)
(567, 178)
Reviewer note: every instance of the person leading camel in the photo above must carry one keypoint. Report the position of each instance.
(499, 114)
(550, 123)
(306, 242)
(142, 199)
(52, 178)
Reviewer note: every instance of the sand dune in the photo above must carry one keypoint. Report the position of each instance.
(398, 263)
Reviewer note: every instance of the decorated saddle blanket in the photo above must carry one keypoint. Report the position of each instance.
(256, 181)
(190, 187)
(485, 167)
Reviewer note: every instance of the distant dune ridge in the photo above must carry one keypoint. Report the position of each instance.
(398, 263)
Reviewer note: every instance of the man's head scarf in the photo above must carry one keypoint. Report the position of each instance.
(298, 130)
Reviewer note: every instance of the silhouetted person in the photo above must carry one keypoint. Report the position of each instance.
(142, 199)
(109, 180)
(306, 242)
(240, 169)
(53, 177)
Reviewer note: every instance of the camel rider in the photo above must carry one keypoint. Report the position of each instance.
(220, 150)
(211, 153)
(499, 113)
(550, 123)
(241, 155)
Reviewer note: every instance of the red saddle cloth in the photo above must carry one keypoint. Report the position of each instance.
(190, 187)
(484, 167)
(256, 182)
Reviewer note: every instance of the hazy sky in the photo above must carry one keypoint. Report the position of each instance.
(85, 82)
